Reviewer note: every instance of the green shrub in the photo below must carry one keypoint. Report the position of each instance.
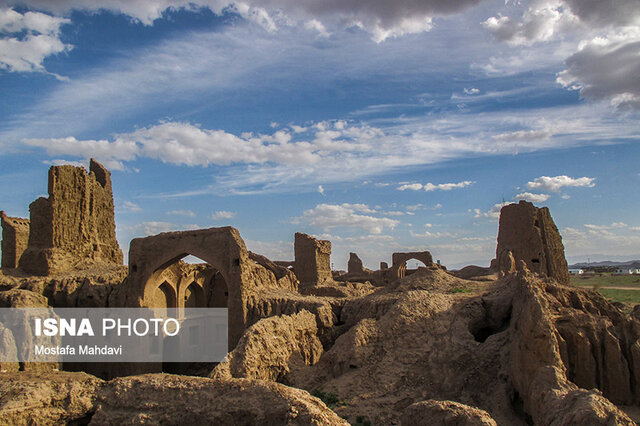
(361, 421)
(331, 400)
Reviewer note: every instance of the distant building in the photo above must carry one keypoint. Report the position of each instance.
(576, 271)
(627, 271)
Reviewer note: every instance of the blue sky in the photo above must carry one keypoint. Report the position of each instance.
(382, 126)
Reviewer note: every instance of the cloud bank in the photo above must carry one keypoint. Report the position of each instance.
(381, 18)
(28, 39)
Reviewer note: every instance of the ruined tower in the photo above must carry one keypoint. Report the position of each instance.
(74, 224)
(530, 235)
(15, 237)
(313, 260)
(355, 264)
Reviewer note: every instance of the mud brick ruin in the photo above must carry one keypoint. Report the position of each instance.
(354, 266)
(313, 260)
(419, 346)
(399, 265)
(15, 237)
(74, 224)
(530, 234)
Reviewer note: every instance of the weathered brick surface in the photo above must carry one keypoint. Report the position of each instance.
(15, 237)
(313, 260)
(74, 224)
(530, 234)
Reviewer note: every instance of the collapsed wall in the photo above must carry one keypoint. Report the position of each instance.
(74, 224)
(530, 234)
(312, 260)
(15, 237)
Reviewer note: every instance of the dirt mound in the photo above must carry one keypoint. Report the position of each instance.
(432, 412)
(169, 399)
(47, 399)
(272, 347)
(476, 273)
(339, 289)
(508, 348)
(18, 298)
(539, 365)
(264, 304)
(430, 347)
(78, 398)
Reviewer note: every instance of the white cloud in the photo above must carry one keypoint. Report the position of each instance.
(186, 144)
(493, 213)
(524, 135)
(321, 189)
(604, 14)
(539, 23)
(382, 19)
(61, 162)
(274, 250)
(434, 235)
(604, 37)
(34, 37)
(223, 215)
(359, 207)
(601, 228)
(111, 154)
(471, 91)
(130, 206)
(187, 213)
(16, 22)
(154, 227)
(607, 68)
(433, 187)
(446, 186)
(411, 186)
(534, 198)
(317, 26)
(601, 240)
(546, 183)
(328, 216)
(285, 160)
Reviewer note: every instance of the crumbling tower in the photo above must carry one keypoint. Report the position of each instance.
(530, 234)
(355, 264)
(15, 237)
(313, 260)
(74, 224)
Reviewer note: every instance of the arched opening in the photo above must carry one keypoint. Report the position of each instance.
(410, 266)
(218, 294)
(194, 296)
(187, 281)
(164, 296)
